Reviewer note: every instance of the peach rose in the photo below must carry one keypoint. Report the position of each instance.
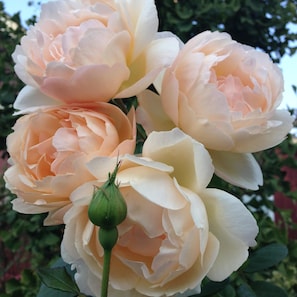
(49, 150)
(176, 231)
(85, 51)
(223, 94)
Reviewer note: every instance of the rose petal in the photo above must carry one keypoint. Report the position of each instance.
(234, 227)
(88, 83)
(155, 186)
(30, 99)
(150, 113)
(141, 19)
(276, 130)
(239, 169)
(191, 162)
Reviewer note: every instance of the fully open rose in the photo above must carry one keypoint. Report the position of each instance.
(85, 51)
(176, 232)
(224, 94)
(49, 150)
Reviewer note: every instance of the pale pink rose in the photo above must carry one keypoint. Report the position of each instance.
(85, 51)
(176, 232)
(223, 94)
(49, 150)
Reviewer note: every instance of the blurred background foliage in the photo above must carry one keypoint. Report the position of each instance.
(261, 24)
(10, 33)
(26, 245)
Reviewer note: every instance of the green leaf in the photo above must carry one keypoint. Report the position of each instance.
(228, 291)
(49, 292)
(28, 278)
(245, 291)
(51, 239)
(266, 257)
(262, 288)
(12, 286)
(211, 288)
(58, 278)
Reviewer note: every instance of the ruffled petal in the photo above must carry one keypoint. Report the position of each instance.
(276, 130)
(87, 84)
(154, 185)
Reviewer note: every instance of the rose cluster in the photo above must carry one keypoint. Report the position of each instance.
(214, 103)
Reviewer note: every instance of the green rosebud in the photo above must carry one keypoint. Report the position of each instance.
(108, 207)
(108, 237)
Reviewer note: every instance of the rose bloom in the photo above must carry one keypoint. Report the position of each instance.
(49, 149)
(223, 94)
(85, 51)
(176, 231)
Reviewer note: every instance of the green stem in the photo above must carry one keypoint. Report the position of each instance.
(105, 275)
(107, 239)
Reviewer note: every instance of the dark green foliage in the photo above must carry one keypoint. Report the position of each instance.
(25, 245)
(266, 257)
(261, 24)
(10, 34)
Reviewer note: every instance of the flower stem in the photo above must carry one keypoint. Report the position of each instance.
(108, 239)
(105, 275)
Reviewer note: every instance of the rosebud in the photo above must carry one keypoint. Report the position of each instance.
(108, 237)
(108, 207)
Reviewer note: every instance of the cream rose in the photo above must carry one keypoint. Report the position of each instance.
(49, 150)
(176, 232)
(223, 94)
(85, 51)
